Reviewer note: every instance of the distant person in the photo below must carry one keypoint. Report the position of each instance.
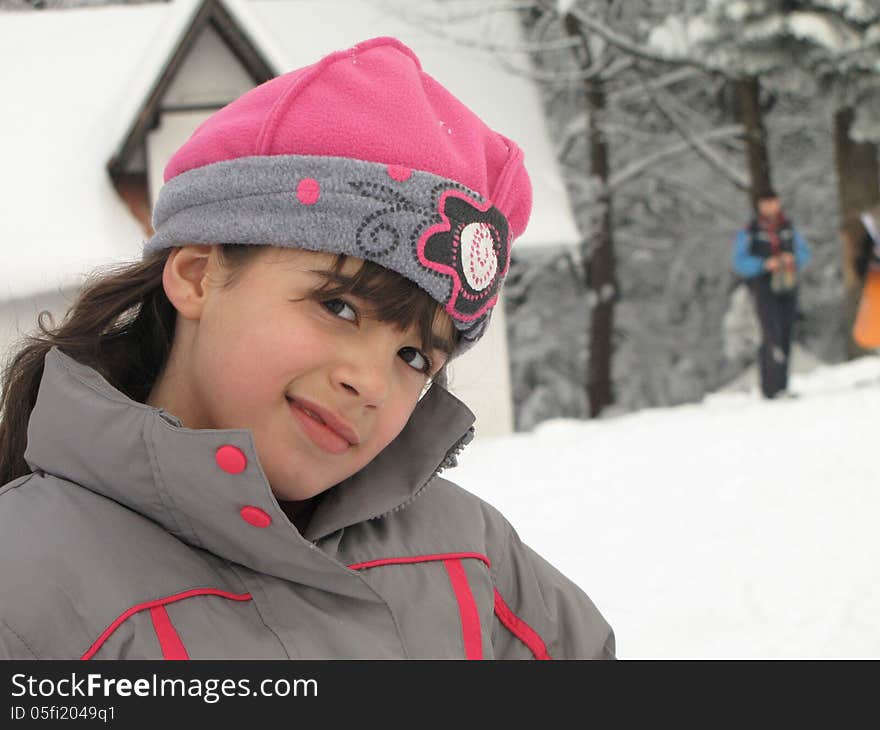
(866, 323)
(770, 254)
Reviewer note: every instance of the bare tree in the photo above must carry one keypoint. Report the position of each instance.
(748, 91)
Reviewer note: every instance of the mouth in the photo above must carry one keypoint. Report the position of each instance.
(327, 430)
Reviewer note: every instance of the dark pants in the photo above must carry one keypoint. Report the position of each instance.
(776, 312)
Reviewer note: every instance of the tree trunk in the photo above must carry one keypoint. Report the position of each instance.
(602, 281)
(748, 95)
(858, 188)
(601, 272)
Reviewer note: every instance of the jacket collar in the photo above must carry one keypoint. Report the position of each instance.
(781, 221)
(86, 431)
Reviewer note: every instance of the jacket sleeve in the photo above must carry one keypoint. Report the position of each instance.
(541, 614)
(746, 265)
(801, 250)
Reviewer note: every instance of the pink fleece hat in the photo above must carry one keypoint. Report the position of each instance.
(361, 153)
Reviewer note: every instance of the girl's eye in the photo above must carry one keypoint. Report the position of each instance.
(415, 359)
(340, 308)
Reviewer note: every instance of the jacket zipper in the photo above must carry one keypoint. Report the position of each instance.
(450, 460)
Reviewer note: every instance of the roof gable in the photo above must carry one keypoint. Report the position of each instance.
(189, 23)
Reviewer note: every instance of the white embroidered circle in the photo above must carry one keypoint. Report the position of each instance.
(478, 259)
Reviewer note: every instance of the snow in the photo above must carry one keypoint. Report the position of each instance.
(824, 32)
(860, 11)
(759, 34)
(678, 37)
(734, 528)
(670, 38)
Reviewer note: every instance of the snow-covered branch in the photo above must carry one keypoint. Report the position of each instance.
(630, 46)
(661, 82)
(473, 11)
(554, 78)
(720, 208)
(701, 146)
(636, 168)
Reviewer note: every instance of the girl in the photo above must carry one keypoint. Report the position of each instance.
(232, 449)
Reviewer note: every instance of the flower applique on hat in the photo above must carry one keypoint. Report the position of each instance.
(365, 154)
(472, 246)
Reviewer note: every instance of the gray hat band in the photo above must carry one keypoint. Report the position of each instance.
(434, 231)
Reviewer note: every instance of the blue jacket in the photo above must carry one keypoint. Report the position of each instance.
(749, 265)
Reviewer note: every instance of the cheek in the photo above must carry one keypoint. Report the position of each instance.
(393, 419)
(241, 364)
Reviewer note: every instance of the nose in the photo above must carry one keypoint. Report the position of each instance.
(365, 373)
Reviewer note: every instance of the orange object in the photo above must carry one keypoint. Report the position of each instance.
(866, 331)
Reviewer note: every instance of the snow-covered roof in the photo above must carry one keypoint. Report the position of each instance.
(74, 81)
(64, 75)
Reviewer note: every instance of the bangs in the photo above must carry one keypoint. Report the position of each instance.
(392, 298)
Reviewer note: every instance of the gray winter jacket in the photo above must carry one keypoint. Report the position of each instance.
(129, 541)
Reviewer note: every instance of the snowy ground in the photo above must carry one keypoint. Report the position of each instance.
(733, 528)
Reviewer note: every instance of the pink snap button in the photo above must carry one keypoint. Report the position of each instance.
(231, 459)
(255, 516)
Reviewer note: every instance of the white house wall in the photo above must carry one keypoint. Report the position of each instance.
(481, 378)
(173, 130)
(211, 75)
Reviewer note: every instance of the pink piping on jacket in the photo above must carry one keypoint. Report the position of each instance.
(165, 639)
(467, 606)
(169, 639)
(173, 647)
(520, 629)
(471, 633)
(418, 559)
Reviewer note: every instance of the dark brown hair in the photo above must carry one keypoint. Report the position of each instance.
(122, 324)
